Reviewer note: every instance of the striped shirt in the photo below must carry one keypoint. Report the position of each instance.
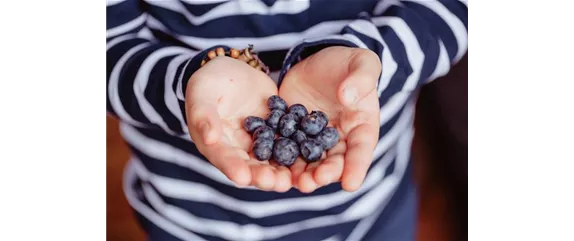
(154, 46)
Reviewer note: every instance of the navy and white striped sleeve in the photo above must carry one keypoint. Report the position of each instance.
(146, 77)
(417, 41)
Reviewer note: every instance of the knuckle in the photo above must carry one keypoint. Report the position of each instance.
(367, 53)
(370, 57)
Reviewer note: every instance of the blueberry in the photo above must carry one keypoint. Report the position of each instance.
(252, 122)
(314, 123)
(311, 150)
(275, 102)
(329, 137)
(285, 151)
(287, 125)
(263, 148)
(273, 118)
(299, 110)
(299, 136)
(263, 132)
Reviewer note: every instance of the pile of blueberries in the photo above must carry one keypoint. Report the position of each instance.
(289, 132)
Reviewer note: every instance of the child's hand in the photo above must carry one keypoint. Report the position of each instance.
(341, 82)
(219, 97)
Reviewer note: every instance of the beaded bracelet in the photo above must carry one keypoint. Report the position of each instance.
(246, 55)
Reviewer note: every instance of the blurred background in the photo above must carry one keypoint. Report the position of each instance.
(440, 159)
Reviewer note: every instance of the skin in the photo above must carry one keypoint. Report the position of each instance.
(339, 81)
(217, 102)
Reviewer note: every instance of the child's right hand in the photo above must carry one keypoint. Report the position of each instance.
(218, 98)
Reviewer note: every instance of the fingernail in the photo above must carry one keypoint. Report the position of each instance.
(350, 95)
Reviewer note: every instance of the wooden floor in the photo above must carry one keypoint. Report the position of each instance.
(433, 222)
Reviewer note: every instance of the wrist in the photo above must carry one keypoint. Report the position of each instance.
(307, 48)
(246, 55)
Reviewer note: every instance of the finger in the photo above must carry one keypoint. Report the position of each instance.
(296, 169)
(263, 176)
(331, 168)
(364, 71)
(311, 167)
(204, 122)
(283, 179)
(340, 148)
(307, 183)
(361, 143)
(232, 162)
(329, 171)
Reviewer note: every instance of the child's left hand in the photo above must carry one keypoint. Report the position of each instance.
(341, 82)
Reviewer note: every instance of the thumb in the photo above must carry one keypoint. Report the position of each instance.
(204, 122)
(362, 77)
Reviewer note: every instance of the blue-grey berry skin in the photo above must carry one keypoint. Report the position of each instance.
(329, 137)
(273, 118)
(264, 132)
(287, 125)
(299, 110)
(314, 123)
(263, 148)
(275, 102)
(311, 150)
(299, 136)
(285, 151)
(253, 122)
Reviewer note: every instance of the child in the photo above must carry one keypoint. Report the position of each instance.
(192, 177)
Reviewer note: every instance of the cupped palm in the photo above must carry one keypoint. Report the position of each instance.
(219, 96)
(341, 82)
